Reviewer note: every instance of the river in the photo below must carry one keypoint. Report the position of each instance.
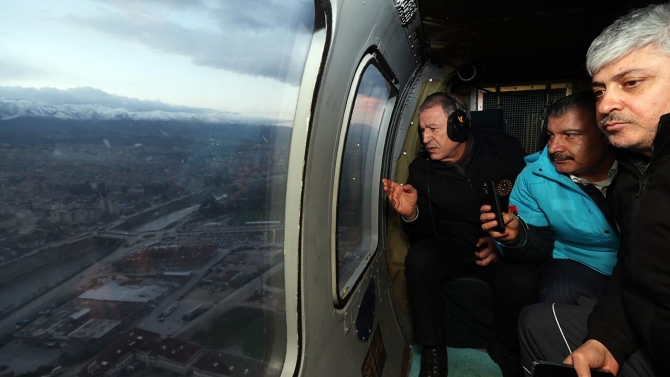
(168, 219)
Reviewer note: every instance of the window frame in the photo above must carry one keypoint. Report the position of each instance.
(341, 297)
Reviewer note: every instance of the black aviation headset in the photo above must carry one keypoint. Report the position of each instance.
(458, 124)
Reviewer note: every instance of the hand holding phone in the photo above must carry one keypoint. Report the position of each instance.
(491, 198)
(549, 369)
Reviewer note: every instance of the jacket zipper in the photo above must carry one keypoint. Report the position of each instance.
(640, 188)
(641, 183)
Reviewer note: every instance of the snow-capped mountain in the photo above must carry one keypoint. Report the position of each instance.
(15, 108)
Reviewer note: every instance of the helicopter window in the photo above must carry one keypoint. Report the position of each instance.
(358, 195)
(143, 160)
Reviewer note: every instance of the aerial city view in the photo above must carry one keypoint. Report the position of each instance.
(141, 225)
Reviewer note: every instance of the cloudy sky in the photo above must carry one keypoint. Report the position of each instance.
(244, 56)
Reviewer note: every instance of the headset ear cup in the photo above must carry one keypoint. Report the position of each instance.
(458, 126)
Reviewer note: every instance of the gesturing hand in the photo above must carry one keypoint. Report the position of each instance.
(402, 197)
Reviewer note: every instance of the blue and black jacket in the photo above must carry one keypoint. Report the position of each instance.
(556, 208)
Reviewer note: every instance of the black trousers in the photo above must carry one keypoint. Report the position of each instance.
(515, 285)
(542, 337)
(563, 281)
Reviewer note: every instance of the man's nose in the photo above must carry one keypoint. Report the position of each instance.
(609, 101)
(426, 136)
(554, 145)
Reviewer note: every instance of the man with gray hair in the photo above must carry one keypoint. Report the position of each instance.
(628, 331)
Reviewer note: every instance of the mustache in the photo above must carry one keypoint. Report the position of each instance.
(616, 117)
(561, 157)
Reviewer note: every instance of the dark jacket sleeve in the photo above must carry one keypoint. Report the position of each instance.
(608, 322)
(533, 245)
(422, 227)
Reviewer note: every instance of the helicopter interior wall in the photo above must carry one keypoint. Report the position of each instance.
(327, 324)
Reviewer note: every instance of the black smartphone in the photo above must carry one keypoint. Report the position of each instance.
(549, 369)
(491, 198)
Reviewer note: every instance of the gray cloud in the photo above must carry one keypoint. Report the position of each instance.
(254, 37)
(255, 15)
(148, 6)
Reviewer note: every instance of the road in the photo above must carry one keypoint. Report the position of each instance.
(8, 324)
(150, 321)
(234, 299)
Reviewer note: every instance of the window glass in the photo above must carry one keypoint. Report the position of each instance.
(143, 160)
(360, 178)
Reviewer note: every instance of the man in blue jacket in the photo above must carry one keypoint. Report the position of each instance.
(563, 213)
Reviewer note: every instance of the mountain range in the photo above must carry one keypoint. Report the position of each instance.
(92, 104)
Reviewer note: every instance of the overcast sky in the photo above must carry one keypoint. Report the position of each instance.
(245, 56)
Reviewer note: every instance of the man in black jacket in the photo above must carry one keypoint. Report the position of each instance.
(628, 332)
(439, 206)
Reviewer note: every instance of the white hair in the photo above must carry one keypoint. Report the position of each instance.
(637, 29)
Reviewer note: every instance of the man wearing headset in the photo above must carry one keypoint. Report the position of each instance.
(439, 206)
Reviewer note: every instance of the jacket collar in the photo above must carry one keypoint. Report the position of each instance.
(662, 135)
(660, 143)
